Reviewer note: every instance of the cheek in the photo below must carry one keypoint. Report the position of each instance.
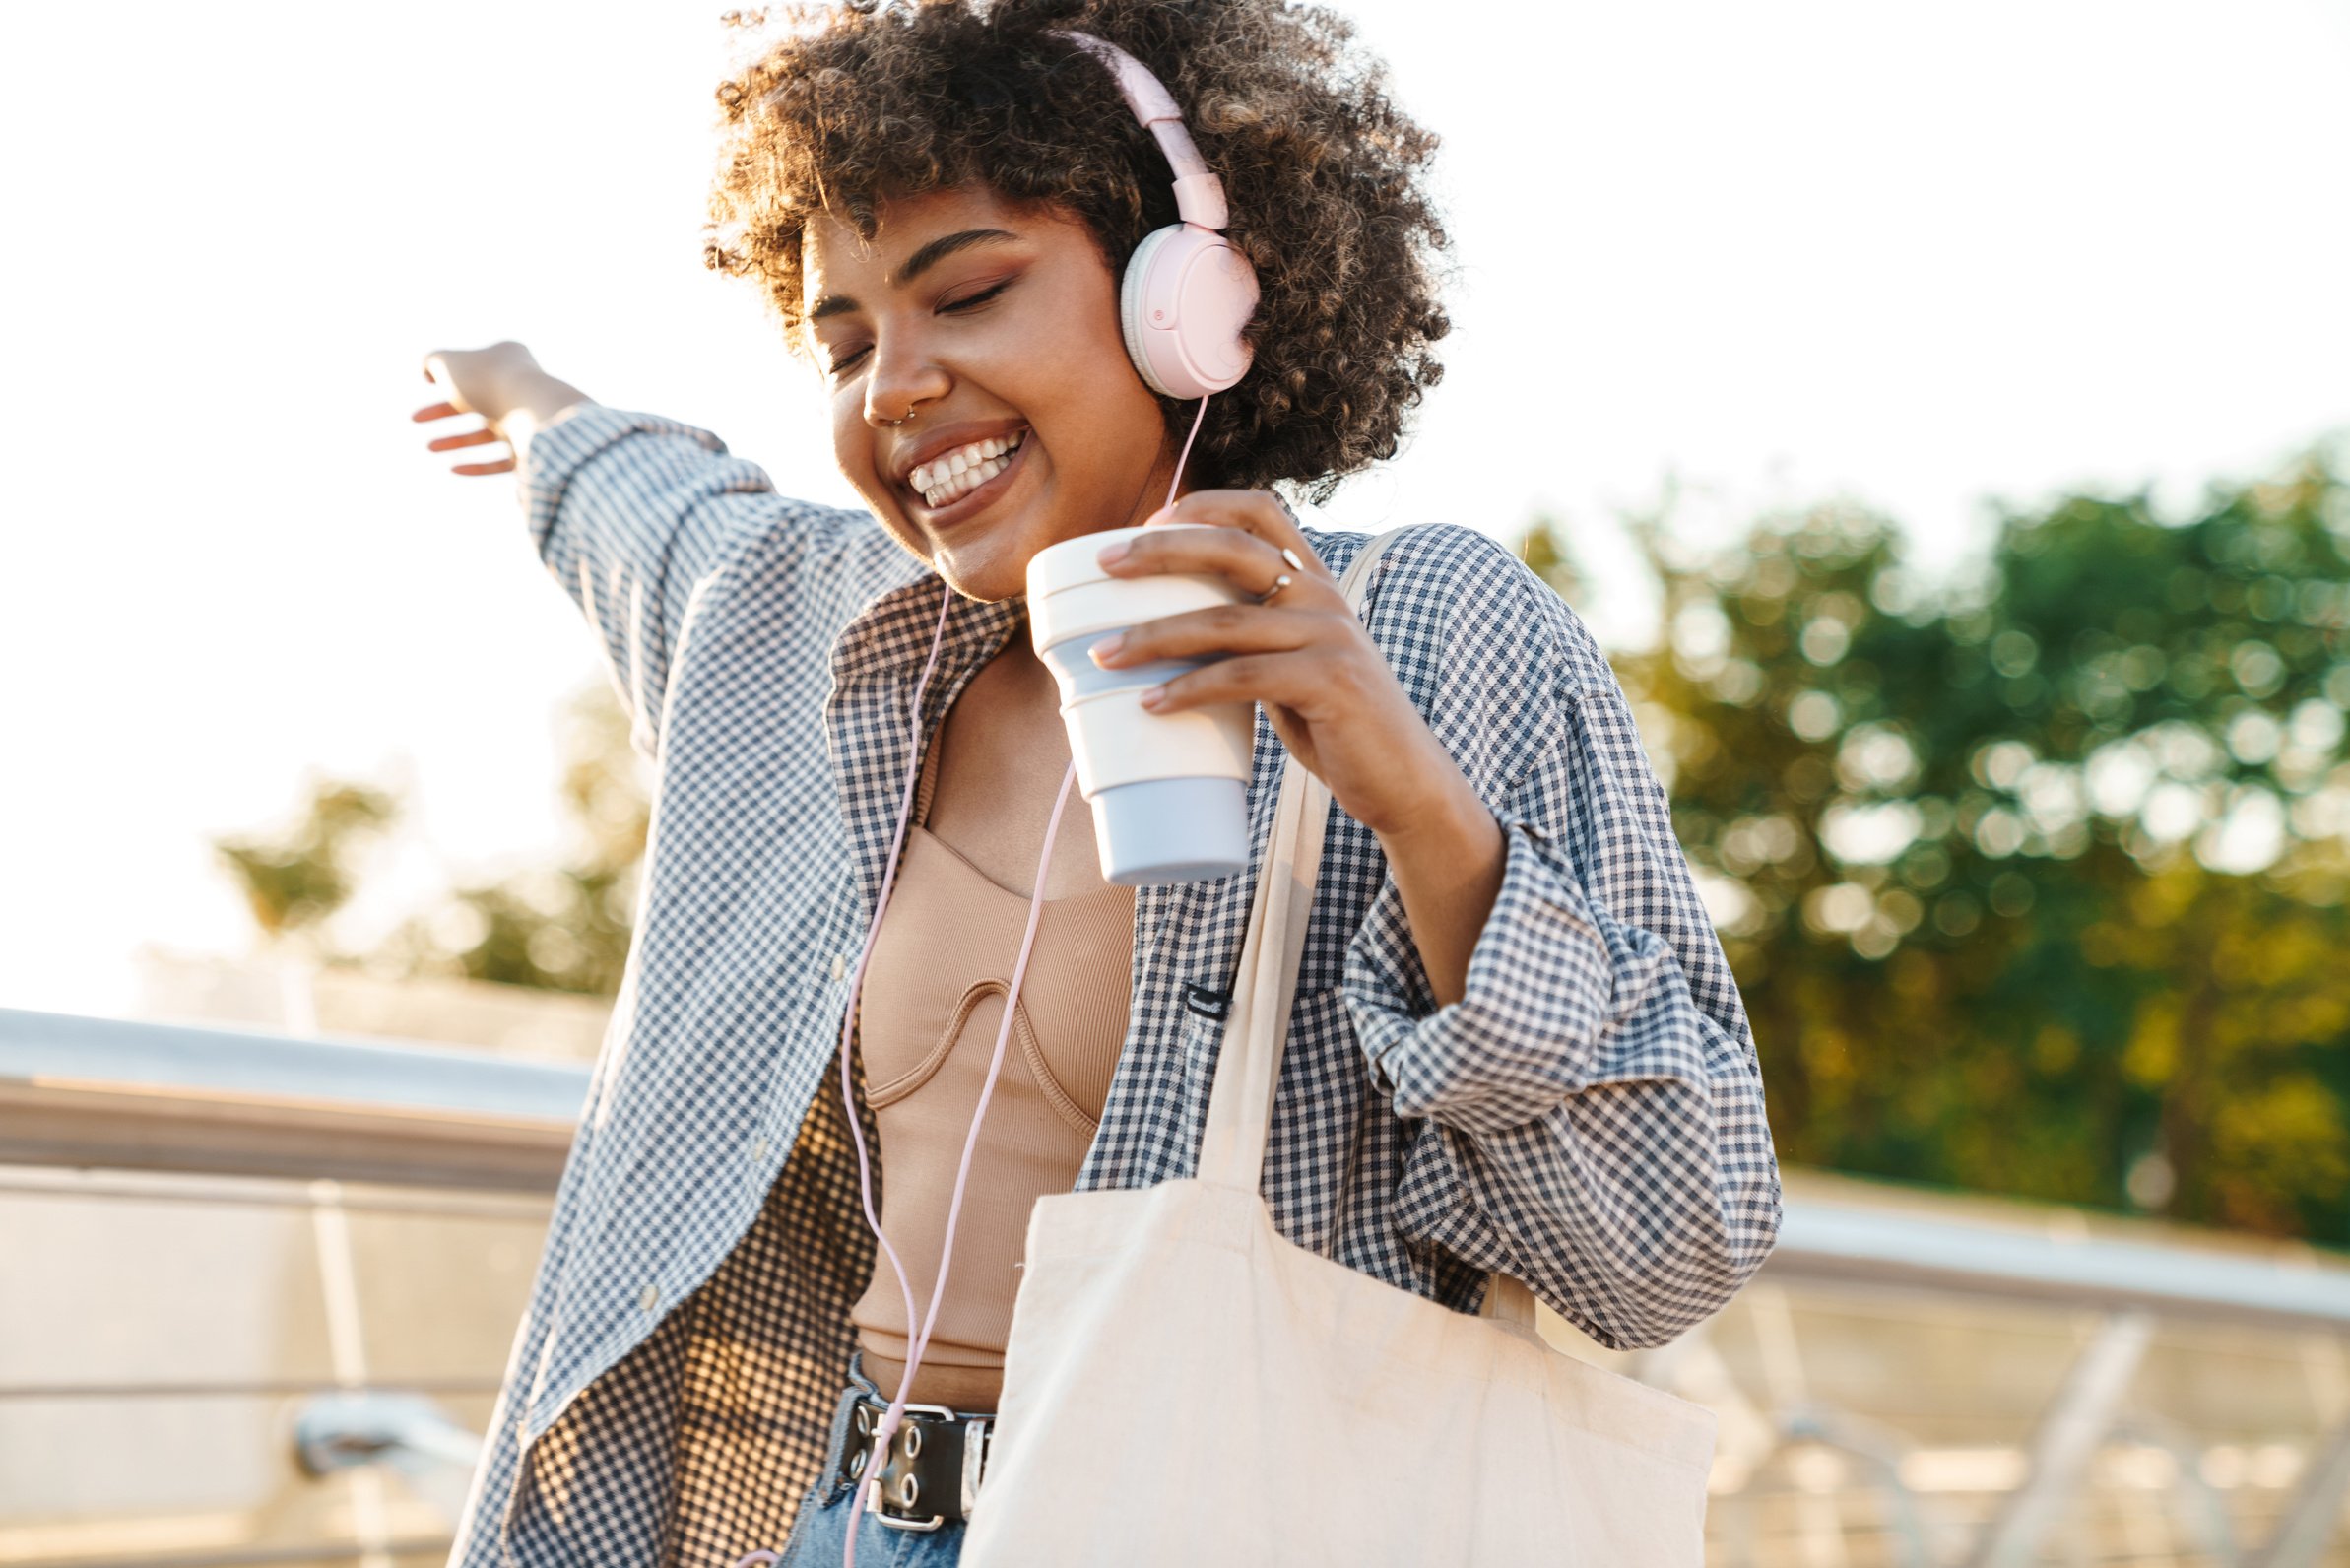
(1076, 383)
(1091, 353)
(852, 442)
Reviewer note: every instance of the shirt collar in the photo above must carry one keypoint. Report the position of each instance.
(874, 664)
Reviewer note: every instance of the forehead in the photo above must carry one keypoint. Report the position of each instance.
(835, 258)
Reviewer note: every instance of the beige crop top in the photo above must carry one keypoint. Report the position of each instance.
(932, 1005)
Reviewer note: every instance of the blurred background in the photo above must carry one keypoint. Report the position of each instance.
(1940, 415)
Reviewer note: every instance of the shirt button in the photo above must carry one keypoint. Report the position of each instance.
(758, 1148)
(649, 1296)
(838, 968)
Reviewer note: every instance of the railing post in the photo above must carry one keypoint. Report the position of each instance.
(2311, 1518)
(347, 1348)
(2067, 1438)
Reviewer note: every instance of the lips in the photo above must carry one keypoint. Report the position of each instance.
(940, 440)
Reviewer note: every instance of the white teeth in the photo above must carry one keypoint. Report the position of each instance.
(957, 473)
(957, 486)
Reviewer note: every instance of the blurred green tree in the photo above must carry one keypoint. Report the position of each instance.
(2038, 887)
(293, 881)
(558, 928)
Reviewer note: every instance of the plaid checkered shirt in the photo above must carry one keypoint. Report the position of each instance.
(1589, 1116)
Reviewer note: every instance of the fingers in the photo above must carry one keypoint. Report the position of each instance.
(449, 443)
(1223, 628)
(1250, 511)
(1237, 534)
(1299, 682)
(480, 437)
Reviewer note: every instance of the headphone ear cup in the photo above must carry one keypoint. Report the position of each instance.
(1130, 306)
(1181, 303)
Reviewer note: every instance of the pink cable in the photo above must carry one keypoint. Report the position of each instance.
(929, 1320)
(848, 1029)
(1197, 419)
(873, 933)
(962, 1175)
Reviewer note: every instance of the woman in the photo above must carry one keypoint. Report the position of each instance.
(1515, 1044)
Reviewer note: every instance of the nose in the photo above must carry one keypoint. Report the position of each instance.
(903, 376)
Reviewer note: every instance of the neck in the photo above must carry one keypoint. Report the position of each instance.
(1016, 663)
(1154, 488)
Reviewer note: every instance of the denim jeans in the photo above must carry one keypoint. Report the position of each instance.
(821, 1534)
(821, 1529)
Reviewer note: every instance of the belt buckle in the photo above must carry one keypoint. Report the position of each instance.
(877, 1501)
(975, 1441)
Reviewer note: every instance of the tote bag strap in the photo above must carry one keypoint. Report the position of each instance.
(1248, 1064)
(1247, 1067)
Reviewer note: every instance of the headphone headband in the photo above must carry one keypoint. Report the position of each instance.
(1187, 294)
(1198, 194)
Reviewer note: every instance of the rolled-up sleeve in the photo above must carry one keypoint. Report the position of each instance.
(635, 514)
(1591, 1106)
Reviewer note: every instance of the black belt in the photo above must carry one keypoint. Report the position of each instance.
(931, 1476)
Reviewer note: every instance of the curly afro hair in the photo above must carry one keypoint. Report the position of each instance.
(864, 100)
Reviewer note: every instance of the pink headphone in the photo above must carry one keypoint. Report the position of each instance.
(1186, 293)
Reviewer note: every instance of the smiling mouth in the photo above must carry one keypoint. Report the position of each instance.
(980, 483)
(950, 476)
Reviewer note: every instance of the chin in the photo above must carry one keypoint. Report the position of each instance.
(975, 571)
(990, 561)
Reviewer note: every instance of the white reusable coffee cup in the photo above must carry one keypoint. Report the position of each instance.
(1169, 791)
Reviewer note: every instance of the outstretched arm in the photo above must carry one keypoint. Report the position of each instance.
(639, 517)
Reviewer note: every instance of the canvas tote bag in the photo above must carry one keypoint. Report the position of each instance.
(1184, 1386)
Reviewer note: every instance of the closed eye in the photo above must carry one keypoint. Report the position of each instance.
(966, 304)
(979, 299)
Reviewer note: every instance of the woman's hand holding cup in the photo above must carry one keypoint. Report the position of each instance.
(1301, 653)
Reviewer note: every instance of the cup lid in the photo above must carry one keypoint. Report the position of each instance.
(1071, 562)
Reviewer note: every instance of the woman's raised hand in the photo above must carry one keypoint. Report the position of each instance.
(1292, 644)
(506, 386)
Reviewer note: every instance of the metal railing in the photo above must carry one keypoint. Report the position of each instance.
(82, 1091)
(87, 1092)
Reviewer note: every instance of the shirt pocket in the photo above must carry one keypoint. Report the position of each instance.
(1321, 1072)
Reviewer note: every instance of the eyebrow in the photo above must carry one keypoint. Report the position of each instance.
(917, 264)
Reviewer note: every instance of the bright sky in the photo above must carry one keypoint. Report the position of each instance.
(1917, 254)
